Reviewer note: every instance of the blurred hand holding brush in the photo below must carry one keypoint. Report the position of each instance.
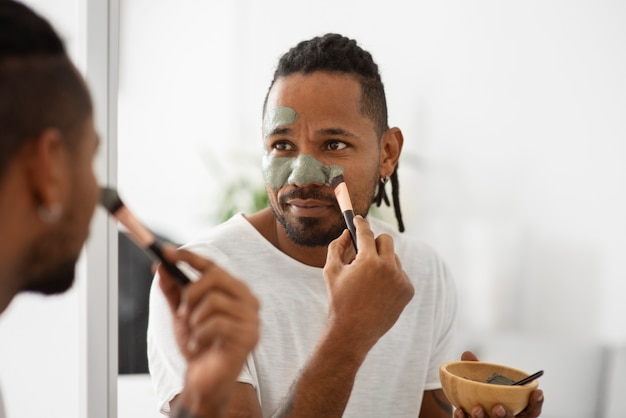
(215, 317)
(216, 325)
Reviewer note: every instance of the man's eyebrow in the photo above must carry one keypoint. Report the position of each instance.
(336, 132)
(280, 131)
(284, 130)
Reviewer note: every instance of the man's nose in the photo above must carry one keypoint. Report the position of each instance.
(306, 170)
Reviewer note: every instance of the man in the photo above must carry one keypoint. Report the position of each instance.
(48, 192)
(343, 334)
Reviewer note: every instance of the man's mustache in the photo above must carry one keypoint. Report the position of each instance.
(308, 193)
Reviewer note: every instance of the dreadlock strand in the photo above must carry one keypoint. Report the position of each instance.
(395, 193)
(381, 196)
(378, 199)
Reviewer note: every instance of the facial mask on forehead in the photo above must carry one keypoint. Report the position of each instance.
(277, 117)
(305, 169)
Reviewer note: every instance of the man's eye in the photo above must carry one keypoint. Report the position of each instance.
(282, 146)
(336, 145)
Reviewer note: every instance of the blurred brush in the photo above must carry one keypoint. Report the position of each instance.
(110, 199)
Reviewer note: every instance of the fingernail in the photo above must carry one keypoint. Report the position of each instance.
(499, 411)
(478, 412)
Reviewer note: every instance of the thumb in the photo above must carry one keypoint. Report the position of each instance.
(337, 250)
(468, 356)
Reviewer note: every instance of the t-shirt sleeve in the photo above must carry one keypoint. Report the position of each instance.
(249, 375)
(167, 365)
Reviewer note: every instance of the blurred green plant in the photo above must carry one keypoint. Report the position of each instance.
(242, 195)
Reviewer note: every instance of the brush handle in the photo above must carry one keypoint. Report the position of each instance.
(348, 215)
(157, 249)
(529, 378)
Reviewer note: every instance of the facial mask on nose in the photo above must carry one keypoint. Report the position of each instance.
(305, 169)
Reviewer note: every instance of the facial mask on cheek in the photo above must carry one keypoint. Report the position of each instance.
(276, 170)
(305, 169)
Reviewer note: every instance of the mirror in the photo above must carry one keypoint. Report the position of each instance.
(513, 162)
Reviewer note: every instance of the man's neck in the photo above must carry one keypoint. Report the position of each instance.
(267, 225)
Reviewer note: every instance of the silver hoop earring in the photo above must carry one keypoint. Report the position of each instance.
(384, 180)
(50, 215)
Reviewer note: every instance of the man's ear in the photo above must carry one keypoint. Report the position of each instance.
(391, 147)
(48, 165)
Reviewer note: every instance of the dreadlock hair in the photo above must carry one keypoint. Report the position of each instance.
(335, 53)
(381, 196)
(40, 87)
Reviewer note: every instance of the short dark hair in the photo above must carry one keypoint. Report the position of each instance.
(335, 53)
(40, 88)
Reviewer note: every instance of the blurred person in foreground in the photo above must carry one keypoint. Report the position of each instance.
(48, 193)
(343, 334)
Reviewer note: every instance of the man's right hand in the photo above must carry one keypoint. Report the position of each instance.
(367, 292)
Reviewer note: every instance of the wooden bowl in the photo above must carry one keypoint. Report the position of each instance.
(465, 385)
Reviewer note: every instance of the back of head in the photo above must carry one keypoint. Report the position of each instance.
(40, 87)
(24, 33)
(336, 53)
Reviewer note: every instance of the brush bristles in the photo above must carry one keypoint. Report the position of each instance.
(336, 181)
(110, 199)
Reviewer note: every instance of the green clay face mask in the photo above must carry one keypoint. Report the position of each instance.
(277, 117)
(305, 169)
(280, 171)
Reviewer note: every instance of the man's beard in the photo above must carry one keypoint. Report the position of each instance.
(49, 268)
(55, 281)
(306, 231)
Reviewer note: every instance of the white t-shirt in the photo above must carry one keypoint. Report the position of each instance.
(397, 370)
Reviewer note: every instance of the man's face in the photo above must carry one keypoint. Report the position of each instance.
(315, 120)
(52, 260)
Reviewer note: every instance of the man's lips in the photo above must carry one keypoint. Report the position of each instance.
(309, 207)
(309, 203)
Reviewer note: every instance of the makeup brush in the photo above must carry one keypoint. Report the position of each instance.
(343, 198)
(111, 201)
